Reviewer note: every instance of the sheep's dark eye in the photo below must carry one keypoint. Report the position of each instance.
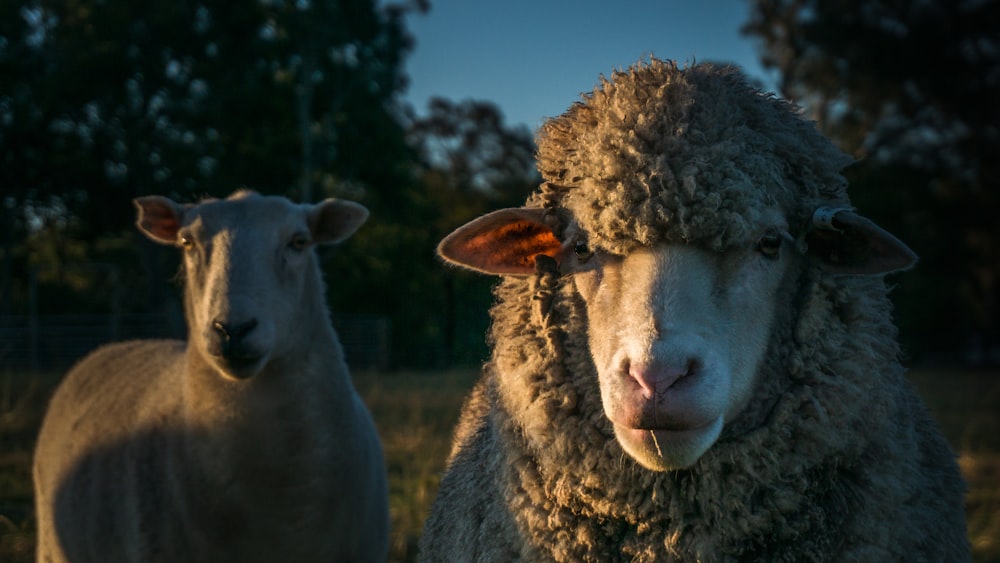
(299, 242)
(186, 242)
(582, 251)
(770, 245)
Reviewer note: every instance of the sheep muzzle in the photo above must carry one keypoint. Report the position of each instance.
(231, 345)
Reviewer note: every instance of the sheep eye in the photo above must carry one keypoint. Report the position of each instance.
(299, 242)
(186, 242)
(770, 245)
(582, 251)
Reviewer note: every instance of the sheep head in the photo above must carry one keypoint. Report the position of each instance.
(677, 332)
(249, 270)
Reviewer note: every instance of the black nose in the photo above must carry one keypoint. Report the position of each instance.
(231, 336)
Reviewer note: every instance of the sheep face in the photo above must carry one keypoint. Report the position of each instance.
(249, 268)
(676, 332)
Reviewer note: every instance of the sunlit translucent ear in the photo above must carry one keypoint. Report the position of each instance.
(503, 242)
(333, 220)
(847, 243)
(159, 218)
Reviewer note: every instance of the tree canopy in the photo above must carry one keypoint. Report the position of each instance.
(104, 101)
(101, 102)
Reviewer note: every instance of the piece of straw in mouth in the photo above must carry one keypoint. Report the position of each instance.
(657, 444)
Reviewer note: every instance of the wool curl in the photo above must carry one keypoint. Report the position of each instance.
(659, 153)
(834, 457)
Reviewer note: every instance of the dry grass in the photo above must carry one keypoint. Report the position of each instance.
(415, 413)
(967, 407)
(22, 404)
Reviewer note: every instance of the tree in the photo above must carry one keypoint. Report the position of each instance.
(910, 88)
(101, 102)
(192, 97)
(343, 60)
(473, 164)
(469, 162)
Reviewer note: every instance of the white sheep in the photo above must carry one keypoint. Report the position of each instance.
(246, 443)
(693, 355)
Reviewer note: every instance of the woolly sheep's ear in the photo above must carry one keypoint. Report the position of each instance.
(847, 243)
(159, 218)
(502, 242)
(334, 220)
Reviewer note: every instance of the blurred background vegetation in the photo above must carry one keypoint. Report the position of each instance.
(101, 102)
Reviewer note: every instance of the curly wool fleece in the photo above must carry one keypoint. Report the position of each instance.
(659, 153)
(834, 459)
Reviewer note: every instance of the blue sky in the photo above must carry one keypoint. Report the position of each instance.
(533, 58)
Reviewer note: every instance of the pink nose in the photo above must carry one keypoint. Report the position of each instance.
(654, 379)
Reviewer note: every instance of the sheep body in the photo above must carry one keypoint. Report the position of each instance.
(829, 456)
(160, 450)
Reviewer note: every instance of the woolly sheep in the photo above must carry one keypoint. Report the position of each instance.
(248, 442)
(693, 356)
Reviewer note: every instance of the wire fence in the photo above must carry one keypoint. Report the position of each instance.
(55, 342)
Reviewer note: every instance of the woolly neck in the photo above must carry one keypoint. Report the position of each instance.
(781, 477)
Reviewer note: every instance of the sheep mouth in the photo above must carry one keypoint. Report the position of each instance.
(668, 449)
(242, 366)
(666, 411)
(663, 431)
(239, 360)
(650, 421)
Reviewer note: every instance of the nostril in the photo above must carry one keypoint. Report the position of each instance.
(231, 337)
(657, 377)
(234, 331)
(640, 374)
(221, 328)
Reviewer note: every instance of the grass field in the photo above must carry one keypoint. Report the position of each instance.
(415, 413)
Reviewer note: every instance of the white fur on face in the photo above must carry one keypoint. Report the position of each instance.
(677, 334)
(244, 267)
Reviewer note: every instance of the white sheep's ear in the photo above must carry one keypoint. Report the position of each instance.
(334, 220)
(846, 243)
(159, 218)
(502, 242)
